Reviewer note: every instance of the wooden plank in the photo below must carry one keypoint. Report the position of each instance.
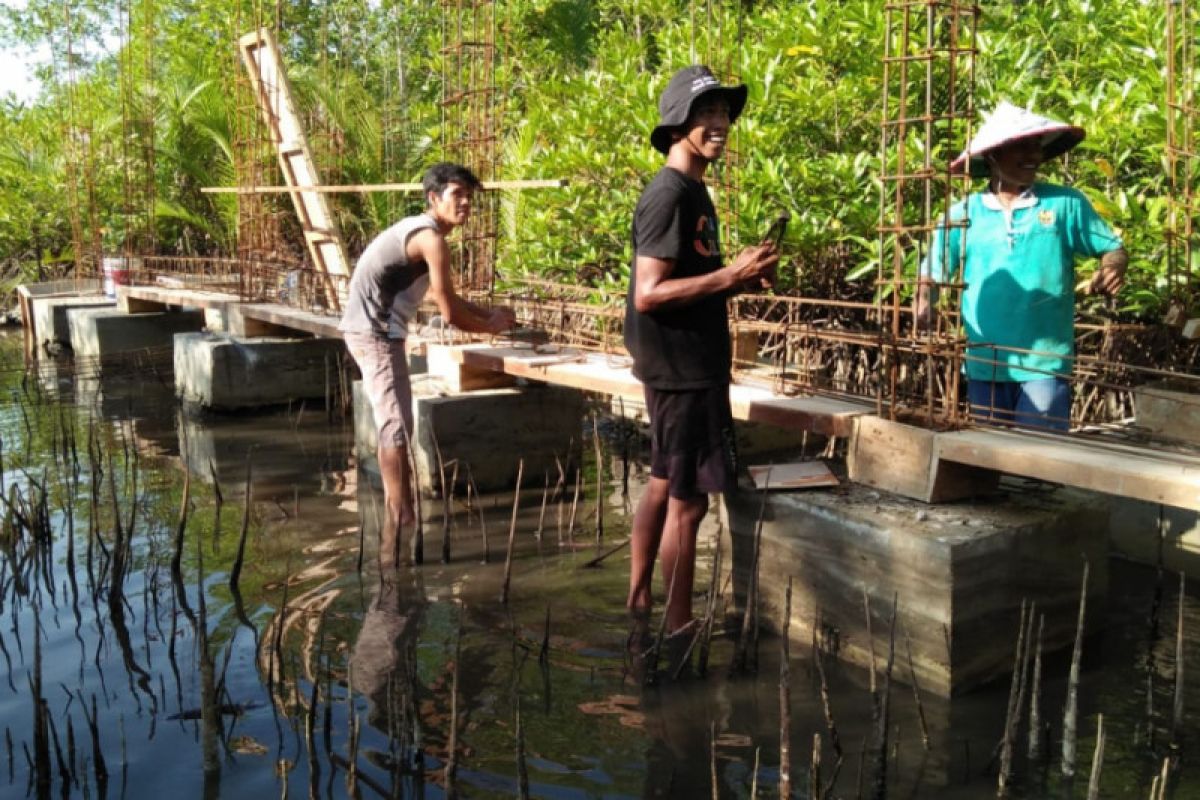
(1169, 478)
(263, 61)
(462, 377)
(902, 459)
(597, 372)
(210, 282)
(295, 319)
(133, 299)
(797, 475)
(828, 416)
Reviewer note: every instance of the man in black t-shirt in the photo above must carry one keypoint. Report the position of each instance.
(677, 331)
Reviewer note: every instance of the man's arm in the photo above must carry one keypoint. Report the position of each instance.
(656, 290)
(455, 310)
(1111, 275)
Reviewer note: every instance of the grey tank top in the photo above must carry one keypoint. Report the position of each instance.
(385, 290)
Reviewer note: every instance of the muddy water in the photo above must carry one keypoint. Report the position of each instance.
(332, 681)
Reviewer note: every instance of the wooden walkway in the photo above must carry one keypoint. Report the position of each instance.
(1123, 470)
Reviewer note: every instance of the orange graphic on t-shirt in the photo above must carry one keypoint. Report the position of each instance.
(706, 236)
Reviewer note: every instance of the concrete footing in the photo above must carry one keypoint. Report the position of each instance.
(488, 431)
(959, 573)
(216, 371)
(50, 322)
(106, 335)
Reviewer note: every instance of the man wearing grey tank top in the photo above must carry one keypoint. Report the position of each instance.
(391, 278)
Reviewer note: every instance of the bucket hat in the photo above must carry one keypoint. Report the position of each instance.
(681, 93)
(1008, 123)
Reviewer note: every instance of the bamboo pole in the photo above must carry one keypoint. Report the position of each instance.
(361, 188)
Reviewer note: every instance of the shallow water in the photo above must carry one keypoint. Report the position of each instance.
(317, 665)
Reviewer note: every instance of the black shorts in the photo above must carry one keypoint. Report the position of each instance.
(692, 444)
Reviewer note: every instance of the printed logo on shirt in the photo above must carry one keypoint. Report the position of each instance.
(1046, 218)
(706, 236)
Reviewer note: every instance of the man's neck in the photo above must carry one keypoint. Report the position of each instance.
(1007, 192)
(443, 226)
(682, 158)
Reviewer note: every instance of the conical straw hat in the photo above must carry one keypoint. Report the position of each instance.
(1008, 123)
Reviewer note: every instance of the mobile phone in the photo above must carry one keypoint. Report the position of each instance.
(774, 233)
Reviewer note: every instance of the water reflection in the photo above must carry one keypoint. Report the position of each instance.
(313, 678)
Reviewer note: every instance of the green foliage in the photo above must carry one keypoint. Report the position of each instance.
(579, 84)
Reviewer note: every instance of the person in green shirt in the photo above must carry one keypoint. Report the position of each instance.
(1014, 246)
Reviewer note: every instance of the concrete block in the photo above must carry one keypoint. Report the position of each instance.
(365, 440)
(960, 573)
(488, 430)
(105, 334)
(217, 371)
(1168, 409)
(903, 459)
(50, 323)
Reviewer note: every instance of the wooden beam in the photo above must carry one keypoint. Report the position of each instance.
(902, 459)
(596, 372)
(554, 183)
(1156, 476)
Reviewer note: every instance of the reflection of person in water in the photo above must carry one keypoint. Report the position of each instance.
(1018, 263)
(679, 722)
(382, 664)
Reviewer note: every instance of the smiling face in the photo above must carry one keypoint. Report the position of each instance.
(1017, 162)
(707, 128)
(452, 207)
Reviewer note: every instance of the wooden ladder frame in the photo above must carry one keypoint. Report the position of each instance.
(268, 76)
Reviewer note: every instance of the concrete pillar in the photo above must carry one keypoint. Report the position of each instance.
(217, 371)
(50, 322)
(487, 430)
(104, 336)
(959, 571)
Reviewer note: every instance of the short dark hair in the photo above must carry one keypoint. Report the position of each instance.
(437, 176)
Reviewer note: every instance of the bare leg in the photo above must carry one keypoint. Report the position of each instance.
(679, 556)
(647, 533)
(397, 497)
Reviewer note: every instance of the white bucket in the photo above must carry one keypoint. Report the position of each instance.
(117, 272)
